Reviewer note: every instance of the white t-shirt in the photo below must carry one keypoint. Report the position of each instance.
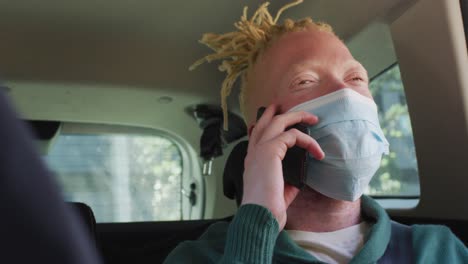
(332, 247)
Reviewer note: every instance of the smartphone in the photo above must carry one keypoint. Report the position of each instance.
(295, 161)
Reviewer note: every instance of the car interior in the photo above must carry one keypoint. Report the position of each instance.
(136, 142)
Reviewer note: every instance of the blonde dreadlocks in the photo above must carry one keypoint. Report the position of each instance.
(239, 49)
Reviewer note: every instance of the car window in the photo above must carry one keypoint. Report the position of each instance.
(398, 172)
(122, 177)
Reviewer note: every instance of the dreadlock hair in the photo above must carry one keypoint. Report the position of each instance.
(238, 50)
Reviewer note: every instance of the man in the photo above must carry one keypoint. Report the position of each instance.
(289, 67)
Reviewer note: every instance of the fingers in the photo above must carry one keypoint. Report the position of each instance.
(294, 137)
(262, 123)
(279, 123)
(270, 125)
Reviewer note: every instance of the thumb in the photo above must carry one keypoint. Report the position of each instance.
(290, 193)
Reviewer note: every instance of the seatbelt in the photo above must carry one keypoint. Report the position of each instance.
(400, 247)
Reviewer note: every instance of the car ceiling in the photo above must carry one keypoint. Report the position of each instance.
(145, 44)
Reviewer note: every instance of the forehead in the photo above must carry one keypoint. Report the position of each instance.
(310, 47)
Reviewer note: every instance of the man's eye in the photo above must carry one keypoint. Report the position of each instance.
(357, 78)
(304, 82)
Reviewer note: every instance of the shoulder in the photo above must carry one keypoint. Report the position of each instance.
(207, 249)
(430, 235)
(437, 243)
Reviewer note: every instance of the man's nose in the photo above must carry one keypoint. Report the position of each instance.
(334, 84)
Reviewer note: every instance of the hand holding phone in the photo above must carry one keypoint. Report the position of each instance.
(294, 163)
(269, 143)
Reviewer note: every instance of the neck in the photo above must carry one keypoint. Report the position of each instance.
(314, 212)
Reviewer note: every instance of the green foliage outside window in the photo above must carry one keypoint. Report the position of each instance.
(398, 174)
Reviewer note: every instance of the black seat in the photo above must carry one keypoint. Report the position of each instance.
(147, 242)
(233, 171)
(86, 215)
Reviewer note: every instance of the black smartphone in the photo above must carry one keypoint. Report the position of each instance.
(294, 163)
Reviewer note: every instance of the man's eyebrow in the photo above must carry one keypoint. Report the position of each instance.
(354, 65)
(303, 65)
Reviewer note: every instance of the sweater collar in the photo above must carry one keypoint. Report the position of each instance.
(374, 247)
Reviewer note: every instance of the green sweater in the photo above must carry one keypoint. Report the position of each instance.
(253, 237)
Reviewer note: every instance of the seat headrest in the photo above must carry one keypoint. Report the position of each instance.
(85, 213)
(233, 172)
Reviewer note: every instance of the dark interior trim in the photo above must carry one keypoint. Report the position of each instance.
(464, 11)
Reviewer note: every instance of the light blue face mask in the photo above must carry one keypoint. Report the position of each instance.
(349, 133)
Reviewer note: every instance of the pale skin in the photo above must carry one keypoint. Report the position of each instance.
(297, 67)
